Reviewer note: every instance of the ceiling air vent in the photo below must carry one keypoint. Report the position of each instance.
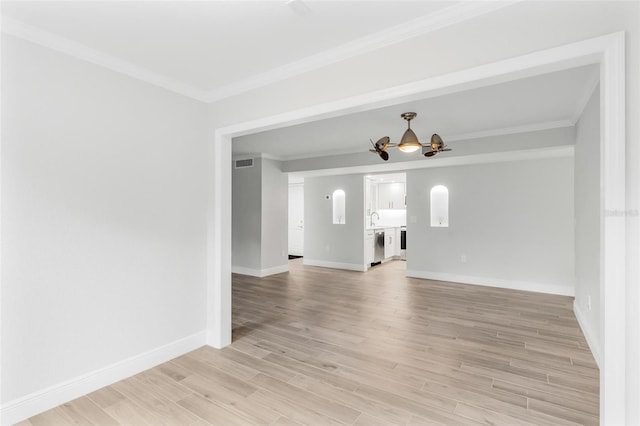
(244, 163)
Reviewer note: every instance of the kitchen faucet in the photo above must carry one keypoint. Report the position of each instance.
(377, 218)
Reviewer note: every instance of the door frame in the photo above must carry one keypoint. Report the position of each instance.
(608, 51)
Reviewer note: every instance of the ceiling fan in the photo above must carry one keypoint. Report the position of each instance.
(409, 142)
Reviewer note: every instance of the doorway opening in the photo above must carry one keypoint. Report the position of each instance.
(296, 217)
(607, 51)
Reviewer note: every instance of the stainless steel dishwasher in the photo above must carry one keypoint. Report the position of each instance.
(378, 253)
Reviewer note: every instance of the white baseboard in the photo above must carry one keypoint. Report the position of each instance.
(494, 282)
(588, 333)
(335, 265)
(45, 399)
(260, 272)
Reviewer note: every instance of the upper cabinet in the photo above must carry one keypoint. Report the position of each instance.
(391, 196)
(370, 196)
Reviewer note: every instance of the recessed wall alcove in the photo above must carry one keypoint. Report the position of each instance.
(339, 203)
(439, 202)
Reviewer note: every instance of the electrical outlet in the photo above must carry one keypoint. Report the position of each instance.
(463, 258)
(589, 302)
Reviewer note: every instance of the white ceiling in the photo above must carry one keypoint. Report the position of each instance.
(212, 49)
(210, 45)
(544, 101)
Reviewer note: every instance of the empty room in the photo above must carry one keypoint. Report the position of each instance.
(320, 213)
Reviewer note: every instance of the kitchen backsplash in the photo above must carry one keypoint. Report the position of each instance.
(391, 218)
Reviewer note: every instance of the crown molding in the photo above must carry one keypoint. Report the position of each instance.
(510, 130)
(248, 155)
(448, 16)
(562, 151)
(586, 97)
(443, 18)
(44, 38)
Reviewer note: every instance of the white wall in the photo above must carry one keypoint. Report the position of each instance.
(588, 215)
(246, 217)
(104, 218)
(275, 208)
(326, 244)
(516, 30)
(259, 220)
(513, 222)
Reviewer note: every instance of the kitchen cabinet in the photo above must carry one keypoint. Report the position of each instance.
(369, 246)
(390, 242)
(370, 196)
(391, 196)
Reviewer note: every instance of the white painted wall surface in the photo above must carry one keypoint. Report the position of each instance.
(588, 215)
(275, 195)
(246, 217)
(104, 218)
(513, 222)
(326, 244)
(259, 220)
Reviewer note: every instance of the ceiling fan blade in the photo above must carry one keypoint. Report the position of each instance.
(436, 143)
(382, 143)
(374, 151)
(430, 153)
(384, 155)
(447, 149)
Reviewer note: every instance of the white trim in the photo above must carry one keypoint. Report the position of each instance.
(334, 265)
(434, 21)
(1, 234)
(589, 335)
(547, 125)
(218, 301)
(425, 24)
(45, 399)
(260, 273)
(548, 288)
(460, 160)
(246, 156)
(44, 38)
(608, 51)
(586, 96)
(554, 59)
(613, 251)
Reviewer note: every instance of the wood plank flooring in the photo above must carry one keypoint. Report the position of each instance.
(326, 347)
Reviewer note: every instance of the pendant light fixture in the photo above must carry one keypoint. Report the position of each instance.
(409, 142)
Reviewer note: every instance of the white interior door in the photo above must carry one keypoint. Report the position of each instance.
(296, 219)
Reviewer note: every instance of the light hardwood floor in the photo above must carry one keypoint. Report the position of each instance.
(326, 347)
